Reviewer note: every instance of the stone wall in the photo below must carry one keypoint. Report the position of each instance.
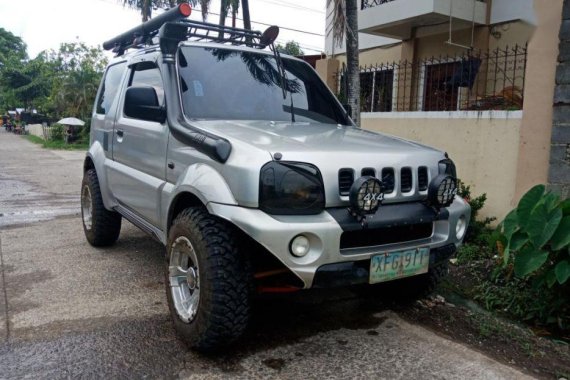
(559, 172)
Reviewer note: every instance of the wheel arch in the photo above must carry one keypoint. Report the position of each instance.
(182, 201)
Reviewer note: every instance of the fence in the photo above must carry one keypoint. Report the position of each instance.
(493, 80)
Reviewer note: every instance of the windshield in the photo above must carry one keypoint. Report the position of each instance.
(241, 85)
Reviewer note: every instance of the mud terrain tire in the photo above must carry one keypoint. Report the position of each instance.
(223, 307)
(101, 226)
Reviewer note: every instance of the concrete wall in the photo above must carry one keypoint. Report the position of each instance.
(484, 146)
(559, 172)
(536, 126)
(35, 129)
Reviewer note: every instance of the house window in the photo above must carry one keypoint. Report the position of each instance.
(439, 92)
(376, 89)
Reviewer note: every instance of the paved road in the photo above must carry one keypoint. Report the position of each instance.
(68, 310)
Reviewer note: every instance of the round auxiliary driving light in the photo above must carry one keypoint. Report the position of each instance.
(300, 246)
(460, 227)
(442, 190)
(366, 195)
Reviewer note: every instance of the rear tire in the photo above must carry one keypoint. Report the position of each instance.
(207, 281)
(101, 226)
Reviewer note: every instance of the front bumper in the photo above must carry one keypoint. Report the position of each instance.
(324, 231)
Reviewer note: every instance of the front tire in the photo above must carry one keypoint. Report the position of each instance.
(207, 281)
(101, 226)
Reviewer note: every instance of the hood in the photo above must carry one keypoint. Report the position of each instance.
(330, 148)
(301, 138)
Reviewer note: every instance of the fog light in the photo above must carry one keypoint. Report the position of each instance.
(366, 195)
(460, 227)
(442, 190)
(300, 246)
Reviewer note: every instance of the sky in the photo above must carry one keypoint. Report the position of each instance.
(46, 24)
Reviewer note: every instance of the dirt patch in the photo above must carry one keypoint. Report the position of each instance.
(511, 344)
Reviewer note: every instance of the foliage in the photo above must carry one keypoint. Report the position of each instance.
(291, 48)
(478, 229)
(533, 242)
(475, 245)
(12, 53)
(11, 47)
(57, 144)
(56, 133)
(147, 6)
(77, 71)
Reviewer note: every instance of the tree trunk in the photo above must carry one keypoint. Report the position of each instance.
(146, 10)
(353, 66)
(246, 19)
(223, 15)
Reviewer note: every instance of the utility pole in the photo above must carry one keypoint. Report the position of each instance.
(246, 19)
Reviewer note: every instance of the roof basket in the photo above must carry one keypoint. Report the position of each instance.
(143, 34)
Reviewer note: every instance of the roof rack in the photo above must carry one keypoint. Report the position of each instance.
(143, 34)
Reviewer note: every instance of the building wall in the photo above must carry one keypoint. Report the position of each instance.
(536, 127)
(484, 146)
(559, 172)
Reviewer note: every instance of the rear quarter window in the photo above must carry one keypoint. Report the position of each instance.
(111, 83)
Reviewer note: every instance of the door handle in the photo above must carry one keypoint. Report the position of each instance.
(120, 132)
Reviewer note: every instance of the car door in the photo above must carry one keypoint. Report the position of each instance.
(139, 151)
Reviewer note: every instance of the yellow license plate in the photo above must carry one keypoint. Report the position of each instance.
(392, 265)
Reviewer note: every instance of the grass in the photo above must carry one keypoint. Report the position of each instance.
(61, 145)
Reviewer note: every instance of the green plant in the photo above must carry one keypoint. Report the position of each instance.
(56, 133)
(478, 230)
(533, 243)
(537, 235)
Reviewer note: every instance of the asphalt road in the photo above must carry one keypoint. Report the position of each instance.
(68, 310)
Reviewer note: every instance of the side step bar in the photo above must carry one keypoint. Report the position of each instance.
(140, 223)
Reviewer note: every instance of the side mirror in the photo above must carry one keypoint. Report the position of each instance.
(142, 103)
(348, 109)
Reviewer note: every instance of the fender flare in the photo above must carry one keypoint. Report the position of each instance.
(97, 155)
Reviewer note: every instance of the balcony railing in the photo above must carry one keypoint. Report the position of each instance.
(372, 3)
(482, 81)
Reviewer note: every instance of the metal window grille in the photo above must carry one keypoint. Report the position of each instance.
(373, 3)
(474, 80)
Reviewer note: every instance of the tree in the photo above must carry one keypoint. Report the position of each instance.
(146, 6)
(12, 54)
(11, 47)
(77, 70)
(345, 23)
(291, 48)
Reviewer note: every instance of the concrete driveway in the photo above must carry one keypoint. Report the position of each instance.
(69, 310)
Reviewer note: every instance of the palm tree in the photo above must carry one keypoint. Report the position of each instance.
(345, 22)
(146, 6)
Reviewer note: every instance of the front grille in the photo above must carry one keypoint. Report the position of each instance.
(388, 180)
(382, 236)
(422, 178)
(368, 172)
(406, 180)
(345, 180)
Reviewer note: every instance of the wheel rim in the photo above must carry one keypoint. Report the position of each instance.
(184, 279)
(86, 207)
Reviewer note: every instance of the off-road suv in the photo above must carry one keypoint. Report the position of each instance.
(246, 167)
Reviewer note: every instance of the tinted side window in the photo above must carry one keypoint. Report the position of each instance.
(110, 87)
(146, 74)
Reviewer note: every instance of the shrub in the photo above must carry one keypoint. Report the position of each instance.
(477, 232)
(533, 243)
(56, 133)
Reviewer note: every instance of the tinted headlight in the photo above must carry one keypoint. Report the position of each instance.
(291, 188)
(447, 167)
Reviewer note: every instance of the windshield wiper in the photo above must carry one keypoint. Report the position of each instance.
(283, 78)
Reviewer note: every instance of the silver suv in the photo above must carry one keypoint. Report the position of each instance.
(246, 167)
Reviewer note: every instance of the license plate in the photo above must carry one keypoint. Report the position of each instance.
(392, 265)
